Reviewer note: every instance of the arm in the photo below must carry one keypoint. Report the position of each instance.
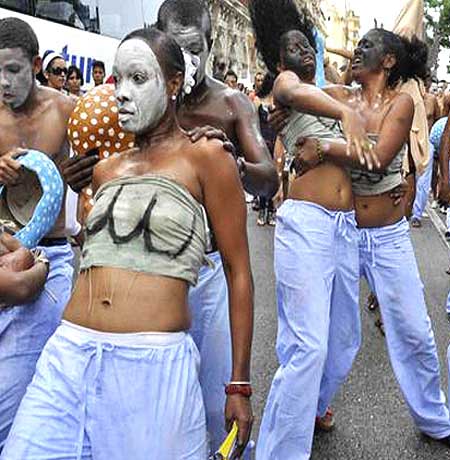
(22, 287)
(223, 197)
(444, 188)
(394, 133)
(290, 91)
(347, 76)
(259, 176)
(341, 52)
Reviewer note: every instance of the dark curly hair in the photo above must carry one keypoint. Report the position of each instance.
(15, 33)
(272, 19)
(411, 56)
(267, 85)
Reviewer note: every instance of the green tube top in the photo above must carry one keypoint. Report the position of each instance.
(147, 224)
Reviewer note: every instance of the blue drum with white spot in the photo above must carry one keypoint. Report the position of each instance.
(436, 134)
(49, 206)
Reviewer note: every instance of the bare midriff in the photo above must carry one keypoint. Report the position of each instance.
(377, 210)
(122, 301)
(327, 185)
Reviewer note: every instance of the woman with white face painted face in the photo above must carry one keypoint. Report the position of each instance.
(119, 378)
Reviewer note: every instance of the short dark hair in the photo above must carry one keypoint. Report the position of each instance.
(186, 13)
(231, 73)
(100, 64)
(15, 33)
(267, 85)
(74, 69)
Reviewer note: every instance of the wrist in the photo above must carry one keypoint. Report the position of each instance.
(242, 167)
(343, 112)
(239, 388)
(319, 151)
(41, 258)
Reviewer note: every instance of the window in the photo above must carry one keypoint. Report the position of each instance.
(118, 17)
(81, 14)
(23, 6)
(151, 8)
(114, 18)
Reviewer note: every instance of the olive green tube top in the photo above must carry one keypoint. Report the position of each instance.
(306, 125)
(365, 183)
(147, 224)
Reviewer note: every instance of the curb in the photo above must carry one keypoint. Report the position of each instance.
(438, 224)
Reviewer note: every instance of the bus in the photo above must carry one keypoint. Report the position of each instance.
(82, 31)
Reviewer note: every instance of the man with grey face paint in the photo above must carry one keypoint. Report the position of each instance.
(213, 103)
(31, 117)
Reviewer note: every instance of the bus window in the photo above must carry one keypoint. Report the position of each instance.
(118, 18)
(23, 6)
(81, 14)
(151, 8)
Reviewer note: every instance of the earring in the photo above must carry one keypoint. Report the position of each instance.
(174, 97)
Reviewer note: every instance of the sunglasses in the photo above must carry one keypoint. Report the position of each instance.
(58, 71)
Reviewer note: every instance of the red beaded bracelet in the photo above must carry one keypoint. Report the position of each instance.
(244, 390)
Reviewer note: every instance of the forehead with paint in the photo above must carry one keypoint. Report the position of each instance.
(140, 86)
(16, 77)
(370, 50)
(194, 40)
(19, 61)
(297, 54)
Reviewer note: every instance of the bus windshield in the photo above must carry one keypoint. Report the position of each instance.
(113, 18)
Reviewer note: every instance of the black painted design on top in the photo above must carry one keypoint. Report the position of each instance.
(142, 227)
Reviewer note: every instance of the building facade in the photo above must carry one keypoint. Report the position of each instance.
(342, 28)
(234, 42)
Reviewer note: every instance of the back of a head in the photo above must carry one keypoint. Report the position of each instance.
(271, 19)
(15, 33)
(168, 53)
(231, 73)
(411, 56)
(267, 85)
(186, 13)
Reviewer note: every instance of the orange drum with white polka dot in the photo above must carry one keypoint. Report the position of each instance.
(94, 124)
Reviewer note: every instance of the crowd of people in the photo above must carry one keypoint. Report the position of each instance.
(145, 351)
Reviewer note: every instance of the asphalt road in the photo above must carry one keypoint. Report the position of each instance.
(372, 421)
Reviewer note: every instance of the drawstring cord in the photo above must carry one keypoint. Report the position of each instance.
(343, 221)
(96, 350)
(371, 243)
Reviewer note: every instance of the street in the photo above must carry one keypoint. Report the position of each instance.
(372, 421)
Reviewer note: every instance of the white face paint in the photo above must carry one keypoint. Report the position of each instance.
(16, 77)
(140, 87)
(193, 40)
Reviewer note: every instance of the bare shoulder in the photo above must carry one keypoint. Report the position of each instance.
(241, 103)
(209, 154)
(342, 93)
(285, 83)
(64, 104)
(403, 101)
(109, 168)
